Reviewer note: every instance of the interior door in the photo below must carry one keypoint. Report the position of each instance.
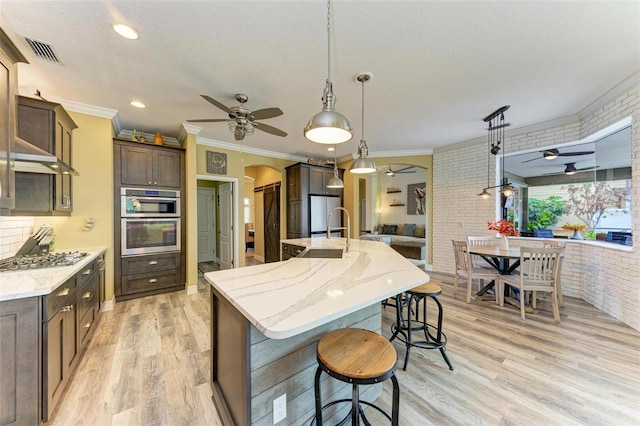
(226, 226)
(206, 225)
(272, 224)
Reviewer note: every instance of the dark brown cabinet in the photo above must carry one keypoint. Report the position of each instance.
(19, 360)
(149, 165)
(48, 126)
(303, 181)
(9, 56)
(291, 250)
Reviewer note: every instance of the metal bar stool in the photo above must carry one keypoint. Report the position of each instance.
(359, 357)
(404, 328)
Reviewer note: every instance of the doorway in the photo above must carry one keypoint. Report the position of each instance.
(272, 224)
(206, 225)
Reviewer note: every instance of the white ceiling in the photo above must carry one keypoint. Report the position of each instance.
(438, 67)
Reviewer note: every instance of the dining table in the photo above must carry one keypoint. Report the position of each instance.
(505, 261)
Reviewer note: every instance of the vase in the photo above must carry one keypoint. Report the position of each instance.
(504, 243)
(576, 235)
(157, 139)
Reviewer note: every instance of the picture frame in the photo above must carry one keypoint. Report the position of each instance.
(216, 163)
(416, 198)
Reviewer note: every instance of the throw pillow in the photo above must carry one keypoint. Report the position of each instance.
(419, 232)
(389, 229)
(409, 229)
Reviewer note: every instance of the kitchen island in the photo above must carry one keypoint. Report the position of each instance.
(266, 321)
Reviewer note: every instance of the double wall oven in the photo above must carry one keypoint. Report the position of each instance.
(150, 221)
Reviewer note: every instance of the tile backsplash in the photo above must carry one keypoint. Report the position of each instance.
(14, 231)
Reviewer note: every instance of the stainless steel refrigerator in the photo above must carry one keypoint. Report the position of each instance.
(320, 208)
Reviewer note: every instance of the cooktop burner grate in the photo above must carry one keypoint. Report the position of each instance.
(37, 261)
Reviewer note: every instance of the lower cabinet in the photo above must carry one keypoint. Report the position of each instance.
(150, 274)
(19, 360)
(291, 250)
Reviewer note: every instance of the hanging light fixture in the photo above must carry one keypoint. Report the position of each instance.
(335, 181)
(328, 126)
(363, 164)
(495, 139)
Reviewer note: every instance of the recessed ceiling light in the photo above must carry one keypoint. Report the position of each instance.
(137, 104)
(125, 31)
(331, 148)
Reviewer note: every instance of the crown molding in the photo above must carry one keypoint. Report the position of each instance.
(85, 109)
(409, 152)
(247, 149)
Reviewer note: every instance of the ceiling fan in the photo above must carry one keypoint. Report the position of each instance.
(570, 169)
(391, 172)
(242, 121)
(552, 154)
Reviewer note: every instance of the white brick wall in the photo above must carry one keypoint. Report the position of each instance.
(14, 231)
(607, 278)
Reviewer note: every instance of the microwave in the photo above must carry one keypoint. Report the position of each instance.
(140, 202)
(145, 235)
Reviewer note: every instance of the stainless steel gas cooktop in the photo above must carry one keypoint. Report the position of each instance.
(37, 261)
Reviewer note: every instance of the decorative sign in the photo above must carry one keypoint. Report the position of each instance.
(416, 193)
(216, 163)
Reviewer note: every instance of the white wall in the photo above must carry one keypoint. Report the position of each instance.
(604, 277)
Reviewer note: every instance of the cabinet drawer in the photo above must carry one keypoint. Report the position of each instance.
(291, 250)
(54, 301)
(87, 295)
(85, 274)
(149, 282)
(144, 264)
(85, 326)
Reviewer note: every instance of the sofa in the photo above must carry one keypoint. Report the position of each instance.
(407, 239)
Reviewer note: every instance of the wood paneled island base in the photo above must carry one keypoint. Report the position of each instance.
(249, 370)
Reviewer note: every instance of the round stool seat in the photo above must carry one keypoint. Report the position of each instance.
(427, 289)
(358, 354)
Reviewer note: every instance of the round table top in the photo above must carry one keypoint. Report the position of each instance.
(496, 251)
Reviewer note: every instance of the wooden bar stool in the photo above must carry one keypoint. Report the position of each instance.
(403, 328)
(359, 357)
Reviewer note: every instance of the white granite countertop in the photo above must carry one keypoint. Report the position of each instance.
(39, 282)
(283, 299)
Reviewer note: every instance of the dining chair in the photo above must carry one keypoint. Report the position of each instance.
(553, 243)
(539, 268)
(466, 270)
(478, 261)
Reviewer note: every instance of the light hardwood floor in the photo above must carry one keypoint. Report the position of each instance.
(148, 365)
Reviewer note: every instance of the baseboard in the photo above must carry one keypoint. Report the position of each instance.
(258, 258)
(109, 304)
(191, 289)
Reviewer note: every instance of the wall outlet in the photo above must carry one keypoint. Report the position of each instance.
(279, 408)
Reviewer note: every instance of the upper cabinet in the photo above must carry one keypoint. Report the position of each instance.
(319, 178)
(9, 56)
(149, 165)
(47, 126)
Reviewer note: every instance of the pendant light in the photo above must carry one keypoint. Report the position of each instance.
(328, 126)
(486, 194)
(362, 164)
(335, 181)
(495, 138)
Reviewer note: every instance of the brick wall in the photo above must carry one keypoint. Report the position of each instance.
(605, 277)
(14, 231)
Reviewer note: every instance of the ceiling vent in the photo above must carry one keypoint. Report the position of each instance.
(42, 50)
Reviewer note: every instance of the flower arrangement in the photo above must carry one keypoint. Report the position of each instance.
(574, 226)
(504, 227)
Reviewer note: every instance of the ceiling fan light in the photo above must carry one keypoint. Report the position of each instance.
(125, 31)
(550, 154)
(570, 169)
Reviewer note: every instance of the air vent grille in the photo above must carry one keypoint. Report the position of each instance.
(43, 50)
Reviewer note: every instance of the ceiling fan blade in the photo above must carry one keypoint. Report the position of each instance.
(586, 169)
(407, 171)
(533, 159)
(270, 129)
(403, 170)
(265, 113)
(218, 104)
(208, 120)
(571, 154)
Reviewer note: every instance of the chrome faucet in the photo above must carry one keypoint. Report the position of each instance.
(348, 228)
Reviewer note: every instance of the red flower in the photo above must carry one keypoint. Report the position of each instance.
(504, 227)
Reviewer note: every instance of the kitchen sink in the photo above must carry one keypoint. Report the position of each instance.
(322, 253)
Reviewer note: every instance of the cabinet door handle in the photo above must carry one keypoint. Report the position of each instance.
(153, 280)
(87, 295)
(87, 272)
(67, 308)
(153, 262)
(87, 325)
(64, 292)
